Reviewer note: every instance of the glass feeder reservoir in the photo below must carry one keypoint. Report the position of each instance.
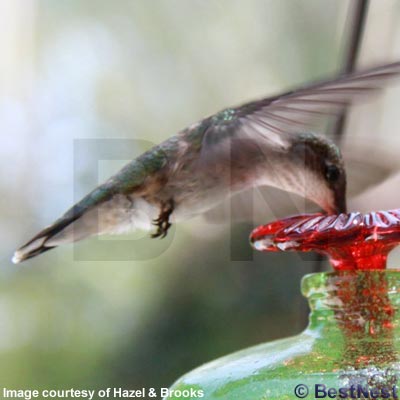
(350, 348)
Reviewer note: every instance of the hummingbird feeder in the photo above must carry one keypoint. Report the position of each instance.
(350, 348)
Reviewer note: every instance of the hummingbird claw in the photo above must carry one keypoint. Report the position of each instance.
(162, 222)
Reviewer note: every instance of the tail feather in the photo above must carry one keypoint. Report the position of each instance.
(22, 254)
(62, 230)
(39, 243)
(114, 215)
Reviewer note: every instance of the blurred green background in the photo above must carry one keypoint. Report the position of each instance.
(143, 70)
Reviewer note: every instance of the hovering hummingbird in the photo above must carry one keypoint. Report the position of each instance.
(264, 142)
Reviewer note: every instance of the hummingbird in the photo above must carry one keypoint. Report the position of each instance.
(266, 142)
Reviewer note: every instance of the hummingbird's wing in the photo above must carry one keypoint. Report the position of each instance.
(257, 205)
(271, 120)
(369, 180)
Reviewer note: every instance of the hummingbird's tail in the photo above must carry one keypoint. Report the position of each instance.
(47, 238)
(78, 222)
(96, 214)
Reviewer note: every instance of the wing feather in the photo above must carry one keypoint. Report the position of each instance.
(270, 122)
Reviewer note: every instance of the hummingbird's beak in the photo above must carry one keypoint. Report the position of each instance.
(340, 202)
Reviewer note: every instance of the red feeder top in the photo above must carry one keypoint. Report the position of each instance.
(352, 241)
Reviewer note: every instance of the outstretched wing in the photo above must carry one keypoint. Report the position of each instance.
(368, 179)
(271, 120)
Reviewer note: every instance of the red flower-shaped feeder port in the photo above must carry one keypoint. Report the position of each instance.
(352, 241)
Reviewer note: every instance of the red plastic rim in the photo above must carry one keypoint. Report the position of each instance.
(352, 241)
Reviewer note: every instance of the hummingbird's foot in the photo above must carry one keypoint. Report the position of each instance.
(162, 222)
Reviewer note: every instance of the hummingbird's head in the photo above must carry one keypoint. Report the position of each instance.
(319, 162)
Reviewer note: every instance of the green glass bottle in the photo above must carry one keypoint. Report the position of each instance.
(350, 348)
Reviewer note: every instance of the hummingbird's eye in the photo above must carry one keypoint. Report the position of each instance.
(332, 173)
